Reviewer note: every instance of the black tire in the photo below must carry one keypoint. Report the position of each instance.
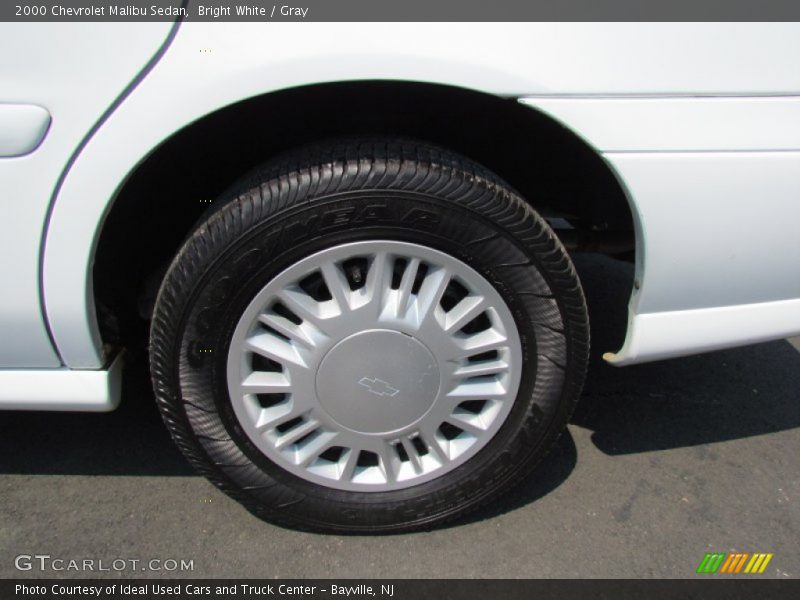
(357, 190)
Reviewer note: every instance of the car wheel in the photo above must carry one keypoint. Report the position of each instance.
(368, 335)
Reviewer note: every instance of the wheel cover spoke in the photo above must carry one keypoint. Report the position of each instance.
(374, 366)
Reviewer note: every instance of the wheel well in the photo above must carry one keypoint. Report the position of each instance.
(165, 195)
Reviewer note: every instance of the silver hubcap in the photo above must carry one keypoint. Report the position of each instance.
(385, 356)
(374, 366)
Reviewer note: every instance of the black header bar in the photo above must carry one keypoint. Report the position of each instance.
(399, 10)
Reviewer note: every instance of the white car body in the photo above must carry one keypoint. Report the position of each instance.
(700, 124)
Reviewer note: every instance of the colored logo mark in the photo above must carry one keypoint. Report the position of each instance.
(735, 562)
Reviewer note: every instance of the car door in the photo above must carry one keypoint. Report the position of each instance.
(58, 82)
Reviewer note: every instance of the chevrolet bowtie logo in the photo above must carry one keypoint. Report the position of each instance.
(378, 387)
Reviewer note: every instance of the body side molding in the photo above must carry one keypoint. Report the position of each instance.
(62, 389)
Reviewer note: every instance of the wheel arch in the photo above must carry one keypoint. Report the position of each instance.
(164, 194)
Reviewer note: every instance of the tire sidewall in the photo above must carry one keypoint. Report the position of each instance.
(249, 240)
(257, 256)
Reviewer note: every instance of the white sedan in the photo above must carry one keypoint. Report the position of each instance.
(347, 247)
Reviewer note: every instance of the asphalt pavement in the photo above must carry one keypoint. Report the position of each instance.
(661, 463)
